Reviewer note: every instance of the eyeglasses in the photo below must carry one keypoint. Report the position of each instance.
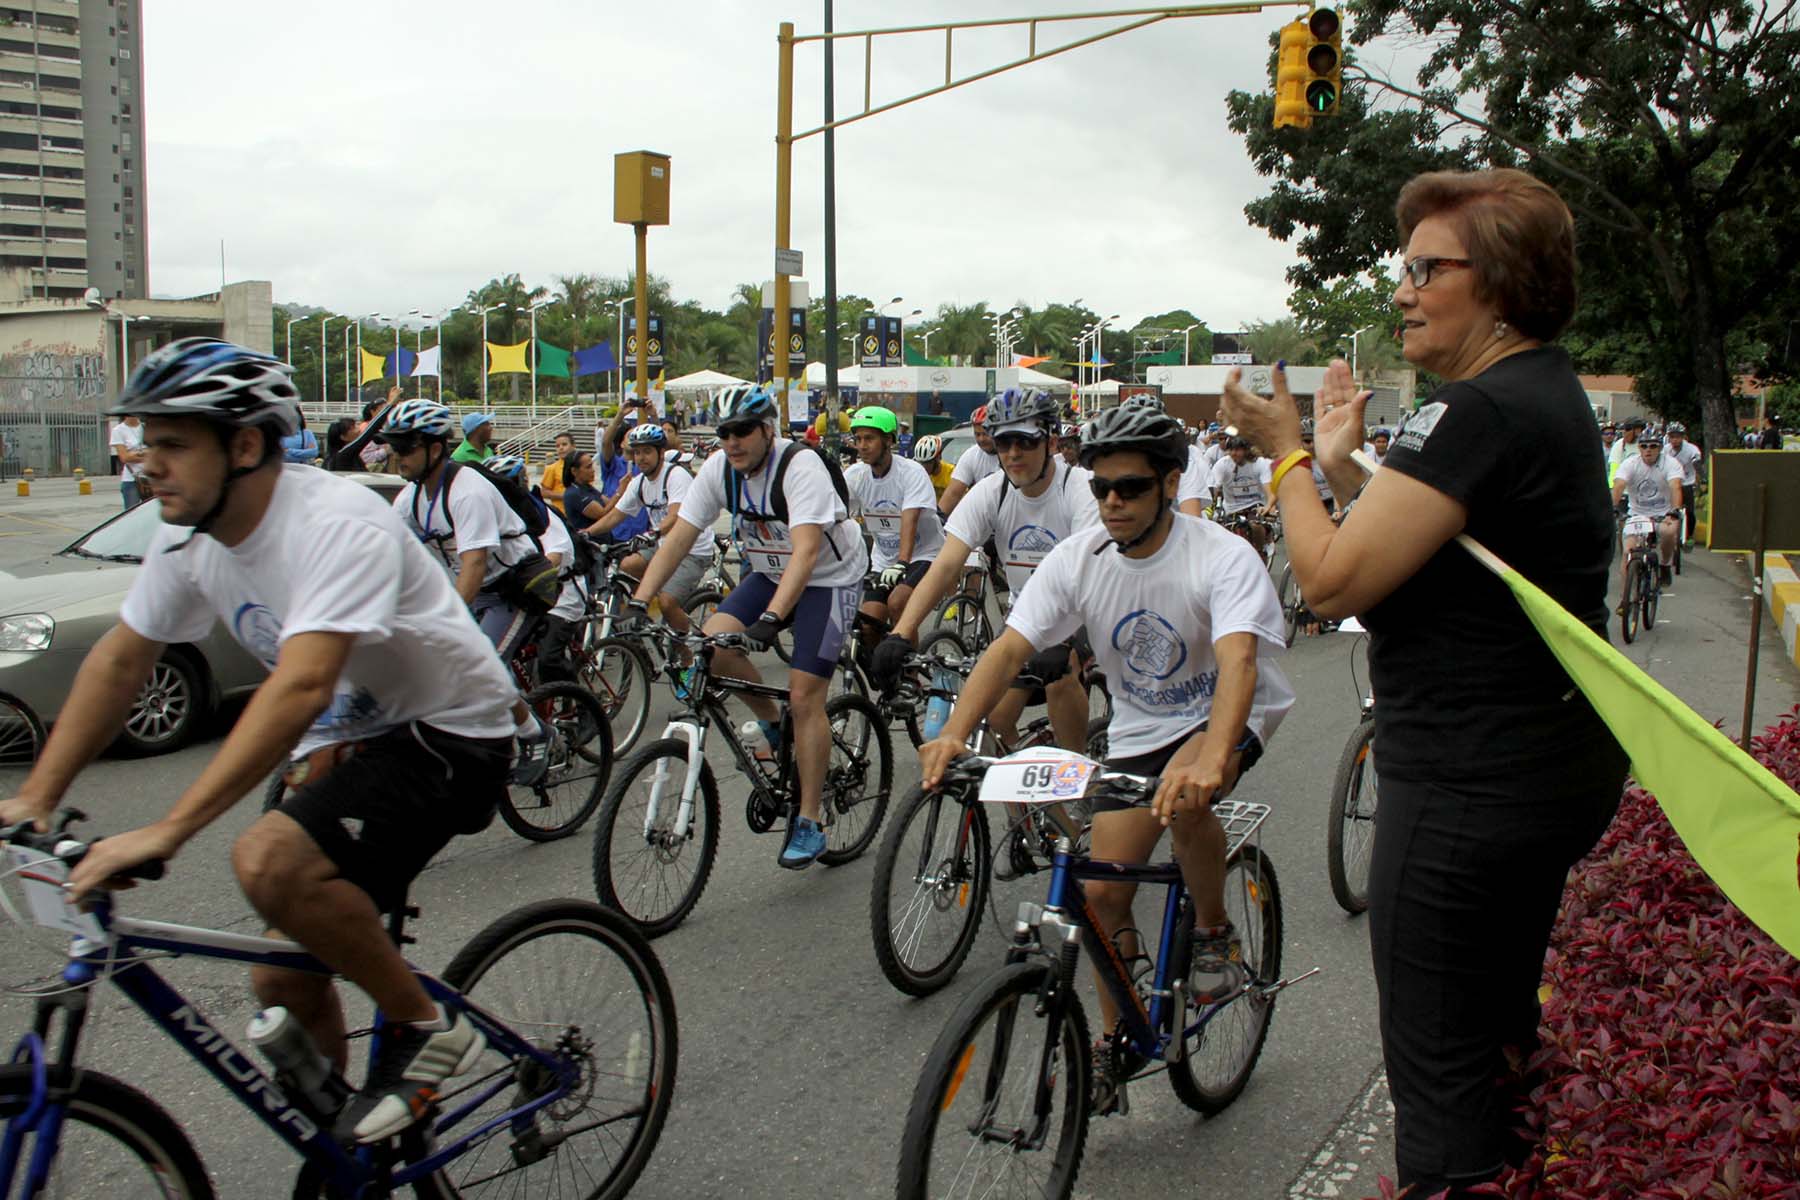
(740, 431)
(1129, 487)
(1421, 269)
(403, 444)
(1007, 441)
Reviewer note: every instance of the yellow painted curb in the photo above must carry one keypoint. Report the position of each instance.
(1781, 588)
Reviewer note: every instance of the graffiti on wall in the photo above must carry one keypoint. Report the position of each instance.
(54, 378)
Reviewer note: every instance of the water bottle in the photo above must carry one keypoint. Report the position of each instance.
(937, 711)
(299, 1068)
(756, 741)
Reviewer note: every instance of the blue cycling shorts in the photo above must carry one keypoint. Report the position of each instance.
(818, 626)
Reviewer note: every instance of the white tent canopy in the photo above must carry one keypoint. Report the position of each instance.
(848, 376)
(1106, 387)
(1039, 379)
(701, 380)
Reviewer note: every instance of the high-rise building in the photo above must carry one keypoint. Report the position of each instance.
(72, 203)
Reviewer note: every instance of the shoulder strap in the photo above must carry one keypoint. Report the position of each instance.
(451, 467)
(781, 465)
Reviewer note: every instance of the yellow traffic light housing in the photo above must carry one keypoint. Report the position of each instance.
(1324, 63)
(1291, 76)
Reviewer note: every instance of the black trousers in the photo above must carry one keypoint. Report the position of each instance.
(1464, 885)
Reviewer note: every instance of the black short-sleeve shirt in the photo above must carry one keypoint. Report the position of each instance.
(1463, 683)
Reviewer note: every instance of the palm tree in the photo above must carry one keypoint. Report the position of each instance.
(1281, 341)
(967, 330)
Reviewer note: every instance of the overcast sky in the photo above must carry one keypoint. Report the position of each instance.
(381, 157)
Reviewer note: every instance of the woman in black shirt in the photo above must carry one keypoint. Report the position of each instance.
(1496, 775)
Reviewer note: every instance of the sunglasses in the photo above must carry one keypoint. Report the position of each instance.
(1009, 441)
(1421, 269)
(743, 430)
(403, 445)
(1129, 487)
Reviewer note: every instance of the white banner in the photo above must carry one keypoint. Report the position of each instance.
(428, 362)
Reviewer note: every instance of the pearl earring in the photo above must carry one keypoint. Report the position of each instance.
(1499, 329)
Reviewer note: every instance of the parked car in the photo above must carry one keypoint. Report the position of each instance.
(956, 440)
(53, 610)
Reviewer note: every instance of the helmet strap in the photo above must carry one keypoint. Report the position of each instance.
(1163, 513)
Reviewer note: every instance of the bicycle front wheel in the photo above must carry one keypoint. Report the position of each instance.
(619, 673)
(1221, 1042)
(1350, 832)
(858, 779)
(580, 761)
(965, 614)
(1002, 1106)
(114, 1140)
(930, 886)
(581, 984)
(21, 733)
(643, 867)
(1652, 593)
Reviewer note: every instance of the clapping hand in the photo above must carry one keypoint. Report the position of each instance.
(1338, 424)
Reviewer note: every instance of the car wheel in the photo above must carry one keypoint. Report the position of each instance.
(168, 712)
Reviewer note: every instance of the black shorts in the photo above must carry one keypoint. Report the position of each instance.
(1084, 651)
(874, 593)
(1153, 763)
(385, 812)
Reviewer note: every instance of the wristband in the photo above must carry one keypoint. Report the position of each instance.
(1294, 458)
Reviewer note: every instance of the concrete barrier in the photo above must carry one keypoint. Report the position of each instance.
(1781, 591)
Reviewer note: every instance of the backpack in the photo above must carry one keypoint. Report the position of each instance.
(779, 508)
(531, 584)
(582, 562)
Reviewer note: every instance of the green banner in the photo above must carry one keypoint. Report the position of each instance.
(552, 361)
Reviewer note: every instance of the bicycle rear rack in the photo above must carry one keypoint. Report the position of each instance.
(1241, 819)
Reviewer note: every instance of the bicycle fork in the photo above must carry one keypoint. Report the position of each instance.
(694, 735)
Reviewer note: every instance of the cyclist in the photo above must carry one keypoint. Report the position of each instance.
(1378, 445)
(1626, 447)
(1609, 433)
(659, 488)
(1240, 486)
(803, 571)
(928, 452)
(1192, 626)
(1032, 504)
(1692, 462)
(976, 463)
(1651, 484)
(369, 654)
(1068, 444)
(894, 496)
(563, 621)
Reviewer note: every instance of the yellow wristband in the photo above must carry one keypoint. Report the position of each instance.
(1294, 458)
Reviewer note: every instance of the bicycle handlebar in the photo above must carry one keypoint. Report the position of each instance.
(58, 844)
(1136, 790)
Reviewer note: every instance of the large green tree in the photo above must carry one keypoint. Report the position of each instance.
(1671, 127)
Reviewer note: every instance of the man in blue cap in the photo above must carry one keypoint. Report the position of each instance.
(478, 436)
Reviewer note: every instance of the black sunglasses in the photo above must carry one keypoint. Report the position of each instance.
(1007, 441)
(403, 444)
(742, 430)
(1129, 487)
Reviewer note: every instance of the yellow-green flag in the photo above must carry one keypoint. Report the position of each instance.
(373, 367)
(1739, 821)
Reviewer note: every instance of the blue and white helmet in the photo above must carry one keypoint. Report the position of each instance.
(1019, 410)
(418, 417)
(506, 466)
(216, 380)
(648, 433)
(746, 403)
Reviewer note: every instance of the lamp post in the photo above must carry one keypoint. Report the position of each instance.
(618, 306)
(324, 361)
(348, 403)
(290, 338)
(534, 352)
(997, 318)
(1353, 339)
(1185, 335)
(484, 350)
(925, 338)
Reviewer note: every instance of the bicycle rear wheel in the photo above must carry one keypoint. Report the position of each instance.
(115, 1141)
(21, 733)
(1350, 831)
(1628, 603)
(859, 777)
(619, 674)
(929, 889)
(581, 759)
(1221, 1042)
(1001, 1108)
(641, 867)
(579, 982)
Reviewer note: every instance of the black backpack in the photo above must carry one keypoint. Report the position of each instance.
(733, 480)
(529, 509)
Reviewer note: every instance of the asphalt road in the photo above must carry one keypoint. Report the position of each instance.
(797, 1059)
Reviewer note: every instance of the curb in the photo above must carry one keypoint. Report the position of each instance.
(1781, 586)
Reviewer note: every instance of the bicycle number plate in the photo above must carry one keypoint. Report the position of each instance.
(1639, 526)
(1044, 775)
(41, 877)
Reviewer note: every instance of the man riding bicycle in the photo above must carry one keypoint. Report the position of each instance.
(928, 452)
(1692, 463)
(974, 465)
(381, 690)
(1651, 485)
(1186, 625)
(1239, 486)
(1034, 502)
(898, 508)
(804, 563)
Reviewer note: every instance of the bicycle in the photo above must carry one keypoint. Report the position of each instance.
(1261, 530)
(1010, 1074)
(965, 612)
(576, 1011)
(580, 753)
(661, 814)
(1643, 578)
(21, 733)
(1355, 801)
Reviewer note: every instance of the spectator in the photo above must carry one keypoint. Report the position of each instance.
(374, 453)
(478, 436)
(1771, 435)
(551, 485)
(337, 436)
(582, 501)
(614, 470)
(300, 446)
(128, 447)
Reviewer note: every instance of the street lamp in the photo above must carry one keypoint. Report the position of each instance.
(997, 318)
(290, 338)
(618, 349)
(1185, 334)
(94, 301)
(534, 350)
(1353, 337)
(324, 361)
(484, 350)
(926, 339)
(436, 321)
(882, 311)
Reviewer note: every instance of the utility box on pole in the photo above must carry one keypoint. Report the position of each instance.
(641, 188)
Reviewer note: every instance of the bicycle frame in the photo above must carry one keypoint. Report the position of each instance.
(117, 958)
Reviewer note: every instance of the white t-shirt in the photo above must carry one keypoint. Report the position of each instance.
(1194, 476)
(1647, 487)
(1025, 529)
(126, 437)
(671, 486)
(1153, 622)
(328, 555)
(474, 517)
(1621, 450)
(765, 542)
(974, 466)
(883, 499)
(1240, 487)
(1213, 452)
(1688, 455)
(571, 600)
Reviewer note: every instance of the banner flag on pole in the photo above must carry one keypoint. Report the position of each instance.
(595, 360)
(1029, 360)
(373, 367)
(428, 362)
(1739, 821)
(408, 360)
(552, 361)
(507, 360)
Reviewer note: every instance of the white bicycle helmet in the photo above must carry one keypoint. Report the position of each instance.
(506, 466)
(927, 449)
(216, 380)
(418, 417)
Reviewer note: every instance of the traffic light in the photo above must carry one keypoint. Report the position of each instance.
(1291, 76)
(1324, 62)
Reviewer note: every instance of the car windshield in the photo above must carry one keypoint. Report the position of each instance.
(122, 539)
(956, 442)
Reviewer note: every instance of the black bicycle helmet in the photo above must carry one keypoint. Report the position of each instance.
(1147, 431)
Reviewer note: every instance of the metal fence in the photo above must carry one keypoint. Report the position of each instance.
(53, 442)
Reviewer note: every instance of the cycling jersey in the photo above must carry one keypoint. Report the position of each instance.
(767, 543)
(1647, 489)
(882, 499)
(329, 556)
(1194, 476)
(474, 516)
(974, 466)
(1240, 487)
(1023, 528)
(571, 600)
(671, 486)
(1153, 623)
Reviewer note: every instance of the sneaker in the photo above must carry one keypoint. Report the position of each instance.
(1106, 1091)
(771, 747)
(1217, 970)
(806, 841)
(403, 1079)
(531, 759)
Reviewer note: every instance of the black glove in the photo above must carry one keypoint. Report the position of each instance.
(888, 660)
(762, 634)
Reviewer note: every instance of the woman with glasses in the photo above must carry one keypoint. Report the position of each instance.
(1496, 774)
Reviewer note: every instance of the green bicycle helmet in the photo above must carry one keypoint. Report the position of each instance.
(881, 420)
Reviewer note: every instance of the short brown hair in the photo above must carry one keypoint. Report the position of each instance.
(1518, 233)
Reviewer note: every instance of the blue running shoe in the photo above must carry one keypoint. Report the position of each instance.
(806, 841)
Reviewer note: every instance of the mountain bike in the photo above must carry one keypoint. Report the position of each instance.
(1643, 578)
(1355, 801)
(659, 824)
(575, 1082)
(1002, 1105)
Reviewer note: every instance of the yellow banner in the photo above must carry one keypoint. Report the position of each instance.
(374, 367)
(508, 360)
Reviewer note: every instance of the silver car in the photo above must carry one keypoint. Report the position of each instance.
(53, 610)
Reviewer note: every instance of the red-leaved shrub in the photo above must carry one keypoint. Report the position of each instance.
(1671, 1057)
